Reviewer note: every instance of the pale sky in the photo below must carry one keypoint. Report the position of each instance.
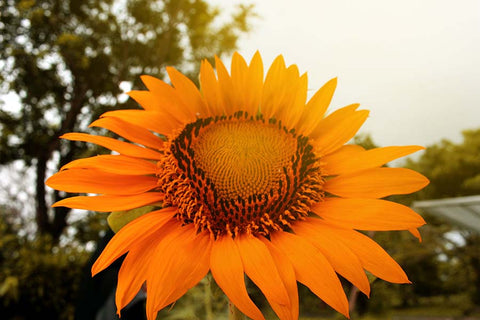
(415, 64)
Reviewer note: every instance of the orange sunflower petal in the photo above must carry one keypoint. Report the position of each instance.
(275, 88)
(172, 237)
(370, 254)
(247, 82)
(121, 147)
(416, 234)
(376, 183)
(227, 270)
(367, 214)
(129, 131)
(240, 83)
(293, 110)
(180, 261)
(152, 120)
(135, 231)
(285, 94)
(188, 93)
(331, 135)
(333, 119)
(344, 163)
(342, 259)
(115, 164)
(132, 273)
(225, 85)
(210, 89)
(254, 86)
(200, 251)
(316, 107)
(80, 180)
(329, 161)
(312, 269)
(110, 203)
(156, 106)
(168, 100)
(261, 269)
(291, 92)
(287, 273)
(145, 99)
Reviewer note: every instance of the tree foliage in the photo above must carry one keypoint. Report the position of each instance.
(38, 278)
(66, 59)
(444, 269)
(454, 171)
(453, 168)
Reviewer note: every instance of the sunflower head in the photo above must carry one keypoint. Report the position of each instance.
(249, 178)
(240, 174)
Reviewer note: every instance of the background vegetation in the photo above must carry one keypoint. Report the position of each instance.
(65, 61)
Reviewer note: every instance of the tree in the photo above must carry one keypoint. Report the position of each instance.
(444, 271)
(37, 278)
(453, 169)
(66, 59)
(440, 268)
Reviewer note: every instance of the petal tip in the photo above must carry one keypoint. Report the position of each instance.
(257, 54)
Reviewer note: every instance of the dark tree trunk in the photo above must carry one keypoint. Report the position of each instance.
(46, 224)
(60, 214)
(41, 214)
(472, 242)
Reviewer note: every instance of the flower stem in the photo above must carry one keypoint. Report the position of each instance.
(208, 298)
(234, 313)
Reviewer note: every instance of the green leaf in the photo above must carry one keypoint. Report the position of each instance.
(9, 287)
(117, 219)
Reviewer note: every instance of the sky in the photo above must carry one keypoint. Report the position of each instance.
(415, 64)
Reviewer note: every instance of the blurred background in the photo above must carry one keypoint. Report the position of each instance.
(414, 64)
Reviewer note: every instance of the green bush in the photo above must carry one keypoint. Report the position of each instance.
(38, 278)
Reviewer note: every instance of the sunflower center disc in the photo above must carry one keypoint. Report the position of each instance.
(240, 174)
(243, 158)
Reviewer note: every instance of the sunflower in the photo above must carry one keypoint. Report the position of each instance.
(251, 179)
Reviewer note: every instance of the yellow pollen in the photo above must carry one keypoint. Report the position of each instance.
(243, 158)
